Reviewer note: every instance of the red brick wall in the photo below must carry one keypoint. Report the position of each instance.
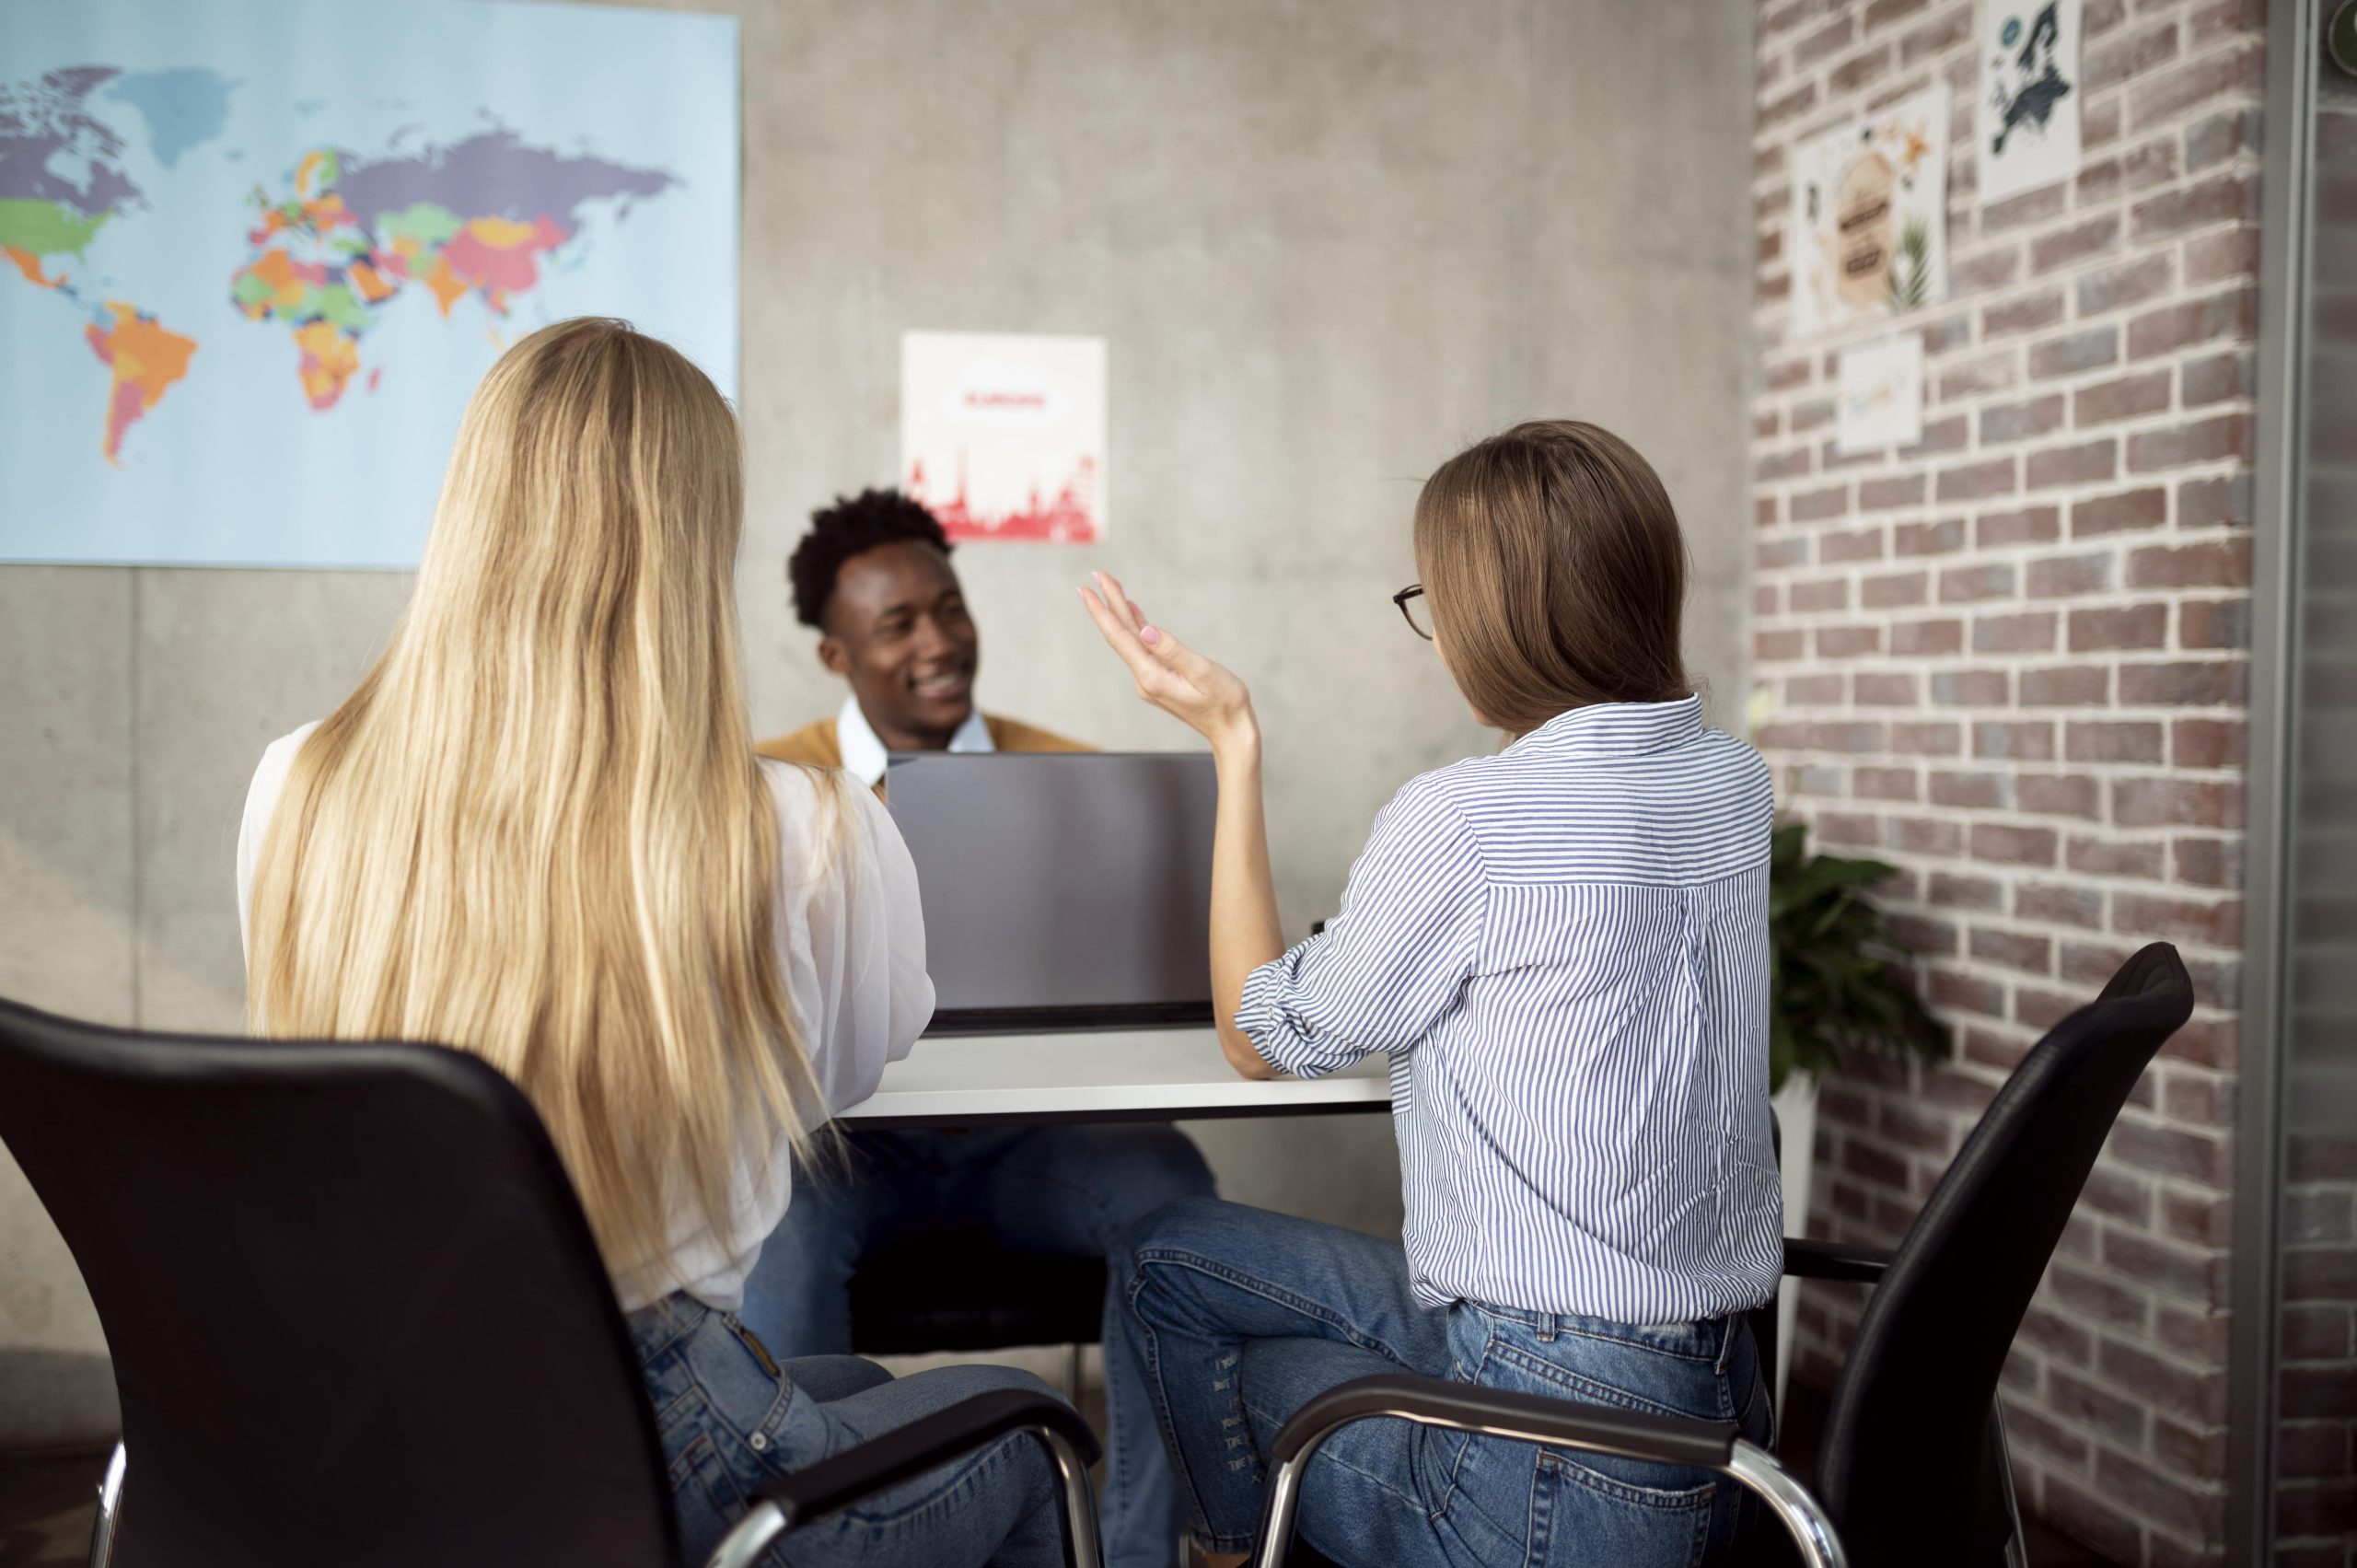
(2012, 661)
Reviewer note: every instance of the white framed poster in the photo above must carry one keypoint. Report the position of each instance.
(1869, 215)
(2029, 95)
(1878, 396)
(1002, 434)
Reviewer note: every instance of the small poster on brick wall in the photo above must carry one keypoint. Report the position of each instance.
(1869, 215)
(2028, 117)
(1002, 434)
(1878, 396)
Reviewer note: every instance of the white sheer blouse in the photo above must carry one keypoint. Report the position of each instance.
(851, 947)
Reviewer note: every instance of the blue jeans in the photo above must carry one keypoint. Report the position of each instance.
(731, 1418)
(1065, 1189)
(1240, 1316)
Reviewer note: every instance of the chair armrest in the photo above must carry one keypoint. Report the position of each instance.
(905, 1453)
(879, 1464)
(1497, 1412)
(1532, 1418)
(1807, 1260)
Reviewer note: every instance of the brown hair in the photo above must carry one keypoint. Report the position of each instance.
(1556, 572)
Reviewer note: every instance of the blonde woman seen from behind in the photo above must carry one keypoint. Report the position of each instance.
(538, 831)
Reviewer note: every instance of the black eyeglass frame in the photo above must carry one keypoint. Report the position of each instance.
(1413, 590)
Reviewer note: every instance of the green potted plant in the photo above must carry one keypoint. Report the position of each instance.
(1837, 982)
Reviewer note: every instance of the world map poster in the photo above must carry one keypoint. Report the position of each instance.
(255, 256)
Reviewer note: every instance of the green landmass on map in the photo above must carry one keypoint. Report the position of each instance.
(47, 228)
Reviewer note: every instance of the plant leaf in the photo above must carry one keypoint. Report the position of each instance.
(1838, 980)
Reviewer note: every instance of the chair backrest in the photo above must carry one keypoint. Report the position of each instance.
(355, 1312)
(1905, 1468)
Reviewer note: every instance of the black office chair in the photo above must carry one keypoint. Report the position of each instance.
(1912, 1469)
(356, 1316)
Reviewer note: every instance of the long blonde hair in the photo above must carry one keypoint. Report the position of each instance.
(538, 830)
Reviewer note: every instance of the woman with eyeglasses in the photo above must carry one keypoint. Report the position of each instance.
(1563, 950)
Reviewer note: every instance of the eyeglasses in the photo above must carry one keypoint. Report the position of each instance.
(1416, 609)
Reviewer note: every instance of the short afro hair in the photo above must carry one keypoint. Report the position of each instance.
(853, 526)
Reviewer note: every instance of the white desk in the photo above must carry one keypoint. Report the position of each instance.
(1145, 1074)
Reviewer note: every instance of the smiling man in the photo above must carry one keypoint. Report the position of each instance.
(873, 575)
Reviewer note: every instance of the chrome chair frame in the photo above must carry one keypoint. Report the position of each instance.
(849, 1478)
(104, 1528)
(1526, 1417)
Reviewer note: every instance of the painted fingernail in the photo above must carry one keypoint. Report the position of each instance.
(1149, 635)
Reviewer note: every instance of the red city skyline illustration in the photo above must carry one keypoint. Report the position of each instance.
(1069, 517)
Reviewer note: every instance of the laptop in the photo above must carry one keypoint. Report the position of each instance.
(1062, 890)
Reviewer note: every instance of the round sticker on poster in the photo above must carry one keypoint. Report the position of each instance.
(2340, 37)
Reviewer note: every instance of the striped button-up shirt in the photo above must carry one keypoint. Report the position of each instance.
(1565, 949)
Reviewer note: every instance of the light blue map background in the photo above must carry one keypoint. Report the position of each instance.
(170, 175)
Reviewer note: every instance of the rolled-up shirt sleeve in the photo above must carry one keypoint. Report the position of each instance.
(1393, 962)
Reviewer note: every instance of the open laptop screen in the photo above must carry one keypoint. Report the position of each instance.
(1062, 890)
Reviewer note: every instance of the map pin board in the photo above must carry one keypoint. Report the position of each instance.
(255, 258)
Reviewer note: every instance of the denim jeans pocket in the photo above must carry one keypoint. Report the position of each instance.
(743, 1386)
(1492, 1501)
(1579, 1515)
(1625, 1510)
(705, 1495)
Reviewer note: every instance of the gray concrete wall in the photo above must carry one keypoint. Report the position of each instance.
(1328, 242)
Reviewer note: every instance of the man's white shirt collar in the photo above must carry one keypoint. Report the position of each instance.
(863, 751)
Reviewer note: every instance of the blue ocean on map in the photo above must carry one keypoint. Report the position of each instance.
(255, 255)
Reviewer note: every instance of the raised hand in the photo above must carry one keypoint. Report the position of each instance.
(1209, 699)
(1201, 693)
